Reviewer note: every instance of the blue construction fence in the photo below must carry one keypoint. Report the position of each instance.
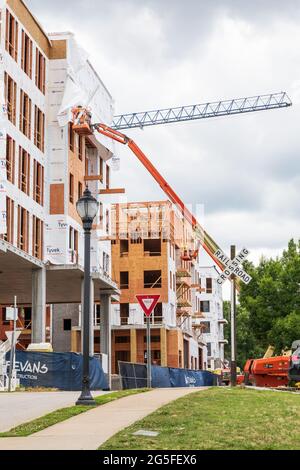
(135, 376)
(57, 370)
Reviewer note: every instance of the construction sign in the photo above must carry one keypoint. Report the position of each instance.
(148, 303)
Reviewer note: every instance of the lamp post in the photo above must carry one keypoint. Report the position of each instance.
(87, 208)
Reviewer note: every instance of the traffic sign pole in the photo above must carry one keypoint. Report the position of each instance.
(13, 348)
(148, 304)
(148, 353)
(233, 323)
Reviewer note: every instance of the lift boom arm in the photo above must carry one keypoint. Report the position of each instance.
(208, 243)
(82, 121)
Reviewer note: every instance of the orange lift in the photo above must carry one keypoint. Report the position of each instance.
(82, 126)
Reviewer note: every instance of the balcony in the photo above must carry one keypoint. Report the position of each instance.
(198, 315)
(183, 304)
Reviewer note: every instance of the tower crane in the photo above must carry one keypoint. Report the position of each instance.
(82, 124)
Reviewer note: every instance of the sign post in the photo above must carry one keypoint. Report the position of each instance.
(148, 304)
(233, 323)
(13, 347)
(232, 271)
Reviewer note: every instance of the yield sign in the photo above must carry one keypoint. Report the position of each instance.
(148, 303)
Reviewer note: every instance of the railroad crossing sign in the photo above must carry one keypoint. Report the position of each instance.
(148, 303)
(233, 266)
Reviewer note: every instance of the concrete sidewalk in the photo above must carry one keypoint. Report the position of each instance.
(20, 407)
(91, 429)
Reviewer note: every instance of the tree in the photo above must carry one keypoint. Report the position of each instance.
(247, 346)
(269, 307)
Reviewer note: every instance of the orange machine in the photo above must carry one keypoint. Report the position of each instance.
(267, 372)
(82, 125)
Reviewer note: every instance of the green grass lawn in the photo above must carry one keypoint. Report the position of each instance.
(219, 418)
(62, 414)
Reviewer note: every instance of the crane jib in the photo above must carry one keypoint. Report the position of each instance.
(202, 111)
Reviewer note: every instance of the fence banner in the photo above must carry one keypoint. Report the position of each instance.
(57, 370)
(135, 376)
(192, 378)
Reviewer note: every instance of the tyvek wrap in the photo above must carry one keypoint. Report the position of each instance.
(74, 94)
(84, 88)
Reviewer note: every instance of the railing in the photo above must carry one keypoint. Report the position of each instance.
(154, 320)
(124, 286)
(152, 253)
(156, 285)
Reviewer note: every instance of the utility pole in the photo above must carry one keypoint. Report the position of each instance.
(13, 348)
(233, 322)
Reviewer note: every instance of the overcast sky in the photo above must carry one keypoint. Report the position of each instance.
(160, 53)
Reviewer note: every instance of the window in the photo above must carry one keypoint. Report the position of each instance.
(180, 358)
(154, 339)
(101, 215)
(73, 239)
(208, 349)
(152, 279)
(122, 339)
(81, 146)
(11, 97)
(204, 306)
(39, 129)
(124, 246)
(11, 42)
(152, 247)
(107, 222)
(106, 262)
(206, 326)
(26, 57)
(209, 285)
(101, 168)
(10, 219)
(10, 159)
(97, 314)
(157, 313)
(71, 188)
(23, 228)
(38, 183)
(37, 238)
(25, 114)
(124, 280)
(40, 71)
(67, 324)
(107, 177)
(24, 171)
(71, 137)
(79, 190)
(124, 313)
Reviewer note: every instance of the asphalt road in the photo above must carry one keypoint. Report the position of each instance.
(19, 407)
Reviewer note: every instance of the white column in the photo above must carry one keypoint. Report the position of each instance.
(105, 330)
(38, 306)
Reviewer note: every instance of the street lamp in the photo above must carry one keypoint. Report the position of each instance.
(87, 208)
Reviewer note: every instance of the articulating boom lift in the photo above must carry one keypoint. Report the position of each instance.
(82, 124)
